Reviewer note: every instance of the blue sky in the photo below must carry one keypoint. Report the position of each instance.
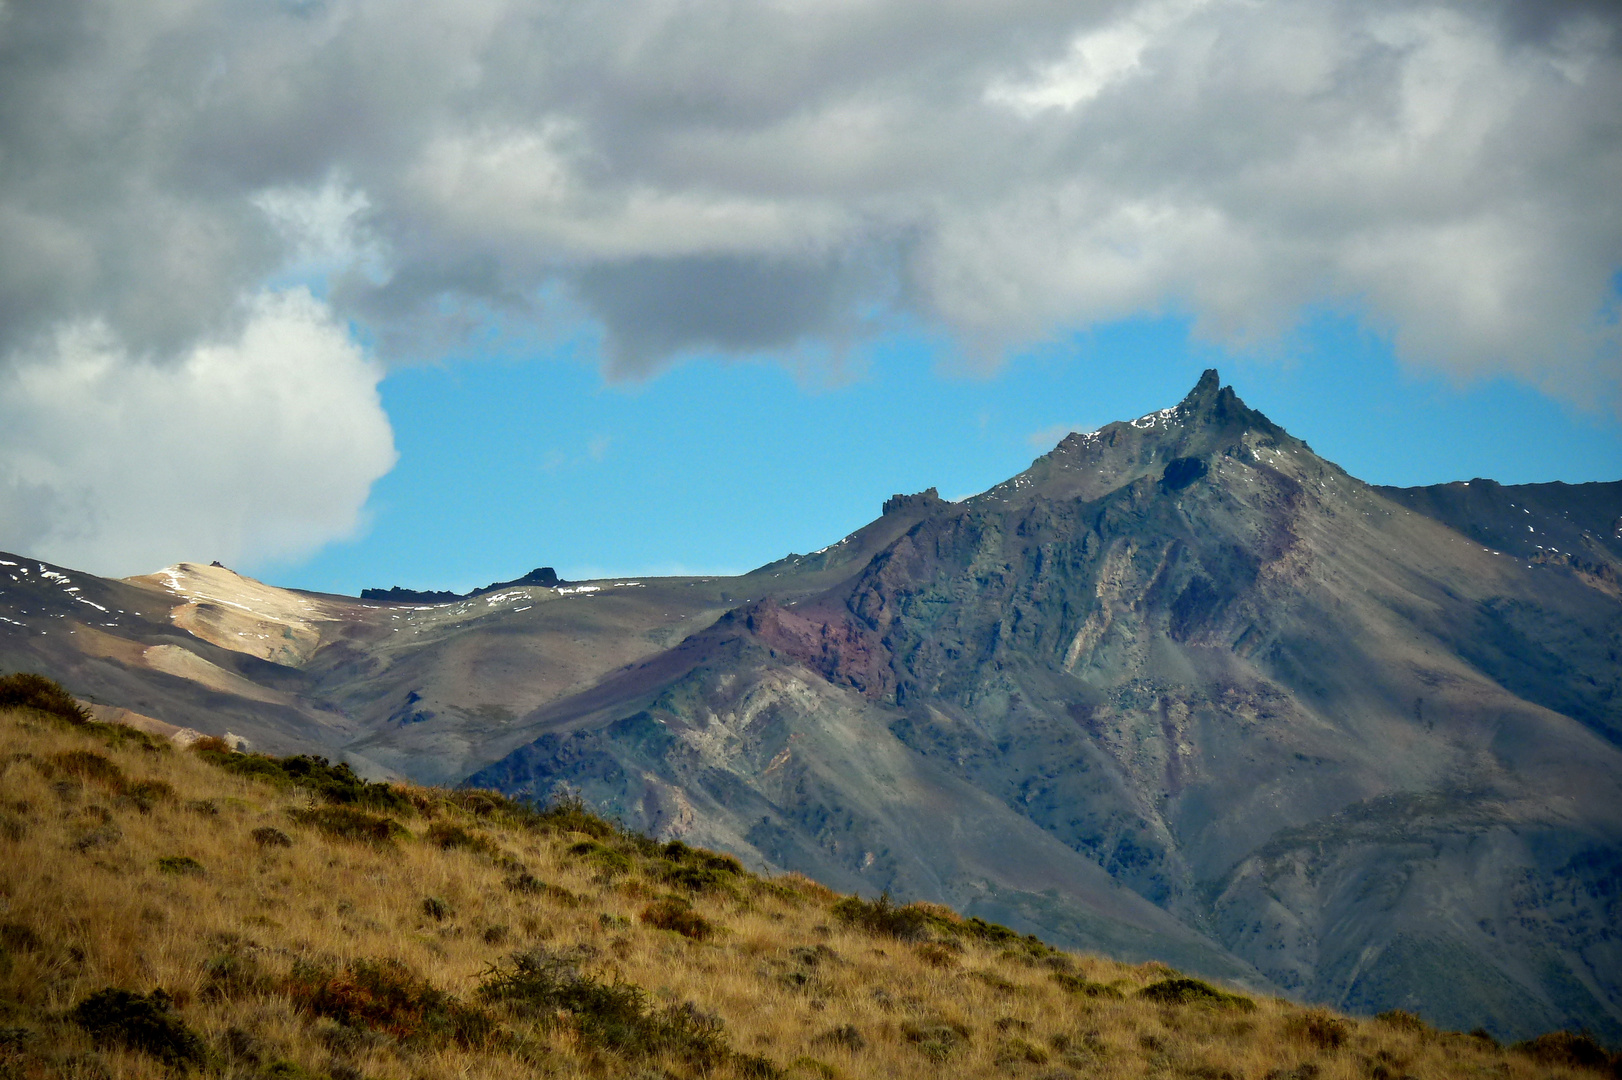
(718, 466)
(351, 293)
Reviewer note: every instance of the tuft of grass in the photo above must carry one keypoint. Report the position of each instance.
(181, 864)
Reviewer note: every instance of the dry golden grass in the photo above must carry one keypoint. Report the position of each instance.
(136, 867)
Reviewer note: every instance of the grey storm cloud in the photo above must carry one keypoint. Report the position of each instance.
(744, 176)
(769, 177)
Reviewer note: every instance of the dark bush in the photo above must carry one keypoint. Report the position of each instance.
(267, 837)
(1076, 985)
(1185, 991)
(1402, 1021)
(181, 864)
(336, 784)
(26, 690)
(146, 794)
(612, 1016)
(444, 835)
(882, 917)
(435, 908)
(670, 913)
(601, 856)
(387, 996)
(697, 878)
(1573, 1049)
(348, 823)
(17, 937)
(567, 813)
(144, 1022)
(530, 885)
(90, 767)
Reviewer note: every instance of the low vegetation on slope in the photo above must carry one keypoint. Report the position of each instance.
(166, 912)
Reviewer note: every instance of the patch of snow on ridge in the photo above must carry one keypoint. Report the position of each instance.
(570, 591)
(1158, 418)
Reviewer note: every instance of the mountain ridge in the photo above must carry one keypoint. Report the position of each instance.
(1180, 681)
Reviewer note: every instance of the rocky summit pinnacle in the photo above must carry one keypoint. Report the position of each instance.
(1181, 690)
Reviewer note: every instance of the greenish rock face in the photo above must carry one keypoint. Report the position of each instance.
(1182, 690)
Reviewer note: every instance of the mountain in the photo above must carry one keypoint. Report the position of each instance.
(1180, 690)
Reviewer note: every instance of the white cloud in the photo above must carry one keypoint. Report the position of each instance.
(748, 177)
(260, 447)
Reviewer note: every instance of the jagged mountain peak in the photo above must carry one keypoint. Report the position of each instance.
(1188, 438)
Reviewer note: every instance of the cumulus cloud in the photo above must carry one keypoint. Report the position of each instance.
(259, 447)
(782, 177)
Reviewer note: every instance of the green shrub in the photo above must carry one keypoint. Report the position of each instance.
(144, 1022)
(1185, 991)
(445, 836)
(530, 885)
(146, 794)
(26, 690)
(611, 1016)
(181, 864)
(1402, 1021)
(435, 908)
(336, 784)
(882, 917)
(348, 823)
(601, 856)
(90, 767)
(1076, 985)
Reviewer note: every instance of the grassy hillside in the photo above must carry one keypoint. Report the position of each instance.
(165, 911)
